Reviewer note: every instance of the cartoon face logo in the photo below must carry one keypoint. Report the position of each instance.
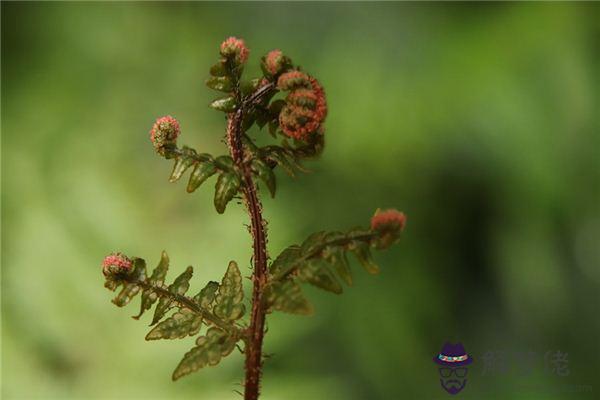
(453, 361)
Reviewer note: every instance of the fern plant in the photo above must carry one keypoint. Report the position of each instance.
(290, 104)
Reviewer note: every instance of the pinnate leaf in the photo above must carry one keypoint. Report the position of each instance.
(182, 282)
(286, 260)
(249, 86)
(312, 243)
(157, 278)
(316, 272)
(181, 324)
(265, 173)
(130, 289)
(337, 258)
(287, 297)
(219, 69)
(221, 83)
(164, 305)
(227, 186)
(230, 295)
(128, 292)
(225, 163)
(178, 287)
(160, 272)
(206, 297)
(209, 350)
(182, 163)
(363, 255)
(273, 127)
(283, 158)
(202, 171)
(226, 104)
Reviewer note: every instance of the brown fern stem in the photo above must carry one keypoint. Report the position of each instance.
(256, 330)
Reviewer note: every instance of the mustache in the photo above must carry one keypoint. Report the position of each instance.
(453, 381)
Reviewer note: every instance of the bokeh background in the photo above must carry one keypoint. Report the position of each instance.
(481, 122)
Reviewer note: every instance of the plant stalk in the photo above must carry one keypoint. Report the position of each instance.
(254, 341)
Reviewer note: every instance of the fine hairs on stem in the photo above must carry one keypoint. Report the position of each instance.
(291, 105)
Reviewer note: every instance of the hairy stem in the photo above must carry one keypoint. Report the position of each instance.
(256, 330)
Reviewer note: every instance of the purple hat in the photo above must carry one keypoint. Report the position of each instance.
(453, 355)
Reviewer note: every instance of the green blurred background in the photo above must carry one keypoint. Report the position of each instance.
(481, 122)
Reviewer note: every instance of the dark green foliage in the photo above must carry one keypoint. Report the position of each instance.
(363, 255)
(226, 77)
(219, 69)
(149, 297)
(321, 260)
(337, 258)
(220, 83)
(181, 324)
(247, 87)
(265, 173)
(216, 306)
(130, 289)
(204, 166)
(228, 301)
(178, 288)
(227, 186)
(286, 296)
(206, 297)
(282, 157)
(226, 104)
(202, 171)
(209, 350)
(317, 272)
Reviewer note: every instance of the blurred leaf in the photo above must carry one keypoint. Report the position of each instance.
(265, 173)
(249, 86)
(202, 171)
(248, 119)
(221, 83)
(273, 127)
(207, 295)
(178, 287)
(317, 273)
(286, 259)
(227, 186)
(160, 272)
(337, 258)
(181, 324)
(149, 297)
(287, 297)
(276, 106)
(127, 293)
(164, 305)
(225, 163)
(182, 282)
(182, 163)
(283, 157)
(111, 285)
(208, 351)
(263, 117)
(230, 295)
(313, 242)
(219, 70)
(226, 104)
(131, 289)
(363, 254)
